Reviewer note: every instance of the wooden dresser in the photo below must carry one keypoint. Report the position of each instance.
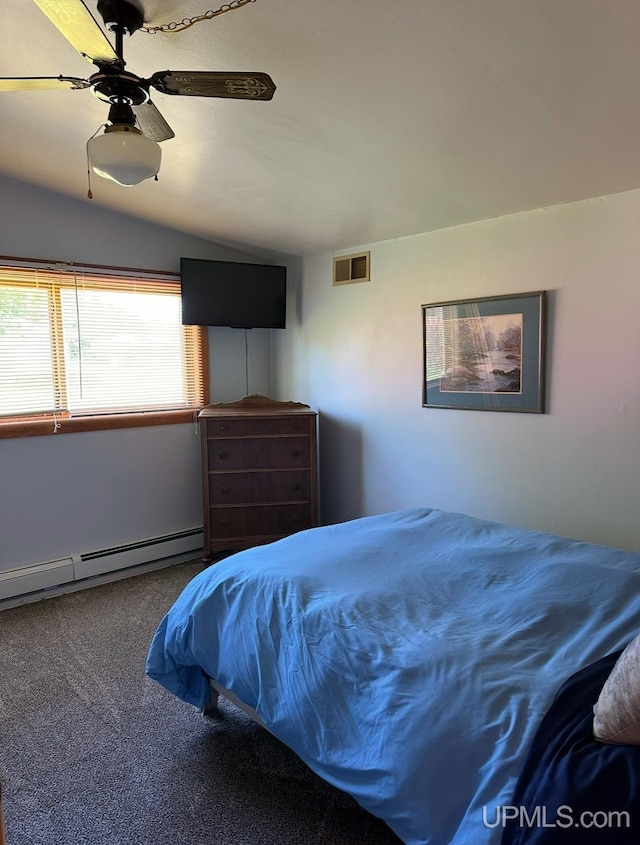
(259, 460)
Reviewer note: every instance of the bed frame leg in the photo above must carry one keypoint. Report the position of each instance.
(210, 709)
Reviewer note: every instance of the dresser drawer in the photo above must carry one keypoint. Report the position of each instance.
(259, 521)
(234, 488)
(256, 453)
(251, 426)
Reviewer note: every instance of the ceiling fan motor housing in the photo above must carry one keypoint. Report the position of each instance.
(118, 86)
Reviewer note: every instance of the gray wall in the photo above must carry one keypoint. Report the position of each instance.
(75, 493)
(356, 356)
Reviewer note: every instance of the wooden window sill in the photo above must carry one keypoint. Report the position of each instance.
(100, 422)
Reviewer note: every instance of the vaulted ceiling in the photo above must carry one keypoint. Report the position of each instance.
(389, 118)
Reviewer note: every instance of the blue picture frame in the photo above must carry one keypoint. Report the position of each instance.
(485, 354)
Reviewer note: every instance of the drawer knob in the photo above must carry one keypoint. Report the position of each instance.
(223, 428)
(296, 520)
(295, 453)
(295, 426)
(225, 490)
(225, 523)
(223, 456)
(295, 486)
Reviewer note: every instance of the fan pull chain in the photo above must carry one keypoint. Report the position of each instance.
(90, 192)
(185, 23)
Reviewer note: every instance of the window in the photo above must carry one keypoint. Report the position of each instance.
(82, 350)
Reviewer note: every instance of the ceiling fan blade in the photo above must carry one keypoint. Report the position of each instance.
(238, 86)
(79, 27)
(151, 123)
(42, 83)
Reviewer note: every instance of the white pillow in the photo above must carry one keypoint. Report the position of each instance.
(617, 711)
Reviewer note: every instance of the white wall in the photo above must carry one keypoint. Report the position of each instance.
(356, 356)
(76, 493)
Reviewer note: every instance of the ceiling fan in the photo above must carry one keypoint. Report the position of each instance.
(128, 151)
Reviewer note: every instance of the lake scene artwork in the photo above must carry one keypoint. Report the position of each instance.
(481, 354)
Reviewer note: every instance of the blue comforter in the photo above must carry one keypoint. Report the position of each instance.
(407, 658)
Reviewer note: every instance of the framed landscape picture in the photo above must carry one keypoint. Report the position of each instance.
(485, 354)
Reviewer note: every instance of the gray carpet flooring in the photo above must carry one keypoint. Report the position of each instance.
(94, 752)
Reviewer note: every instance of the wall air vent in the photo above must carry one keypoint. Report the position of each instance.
(348, 269)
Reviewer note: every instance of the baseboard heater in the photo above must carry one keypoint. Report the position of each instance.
(79, 567)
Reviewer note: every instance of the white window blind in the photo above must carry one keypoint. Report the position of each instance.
(74, 343)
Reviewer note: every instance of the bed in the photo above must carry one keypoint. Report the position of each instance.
(411, 659)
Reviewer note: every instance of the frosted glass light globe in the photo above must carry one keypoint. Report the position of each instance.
(124, 155)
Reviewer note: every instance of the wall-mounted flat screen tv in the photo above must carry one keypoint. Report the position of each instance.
(234, 294)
